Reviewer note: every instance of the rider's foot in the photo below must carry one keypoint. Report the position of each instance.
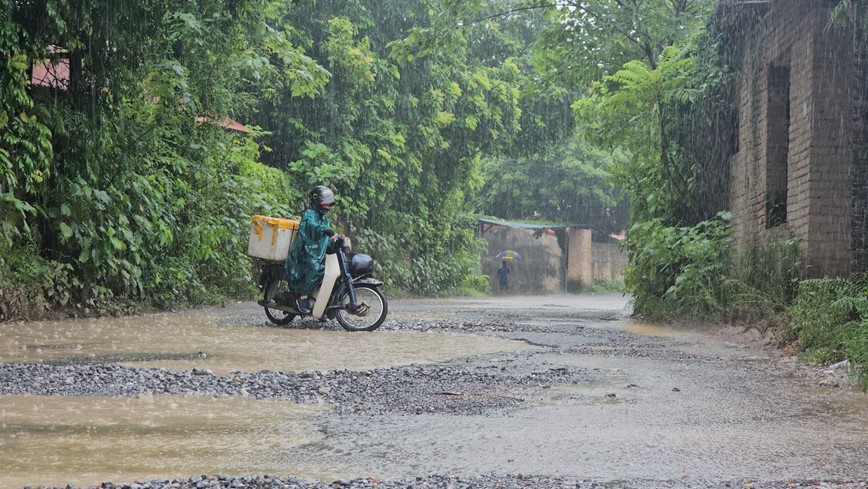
(304, 306)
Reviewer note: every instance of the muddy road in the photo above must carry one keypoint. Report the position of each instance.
(555, 391)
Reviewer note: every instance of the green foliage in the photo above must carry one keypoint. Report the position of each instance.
(587, 41)
(829, 320)
(399, 134)
(117, 192)
(679, 271)
(571, 183)
(763, 281)
(25, 147)
(547, 171)
(672, 114)
(603, 286)
(629, 109)
(455, 267)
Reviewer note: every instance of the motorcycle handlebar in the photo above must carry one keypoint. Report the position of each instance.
(342, 240)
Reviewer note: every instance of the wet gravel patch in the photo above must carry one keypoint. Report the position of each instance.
(509, 481)
(604, 342)
(502, 323)
(659, 351)
(437, 389)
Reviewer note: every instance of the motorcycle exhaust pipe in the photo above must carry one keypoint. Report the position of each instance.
(279, 307)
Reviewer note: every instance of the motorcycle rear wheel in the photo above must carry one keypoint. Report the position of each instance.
(375, 309)
(271, 289)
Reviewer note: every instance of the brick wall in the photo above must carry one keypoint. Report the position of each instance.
(813, 129)
(859, 212)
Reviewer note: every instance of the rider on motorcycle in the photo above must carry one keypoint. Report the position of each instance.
(305, 262)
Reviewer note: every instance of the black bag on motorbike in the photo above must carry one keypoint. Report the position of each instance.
(361, 264)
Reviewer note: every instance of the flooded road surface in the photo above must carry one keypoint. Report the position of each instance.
(648, 404)
(221, 342)
(52, 439)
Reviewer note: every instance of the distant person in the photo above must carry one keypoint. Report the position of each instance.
(503, 276)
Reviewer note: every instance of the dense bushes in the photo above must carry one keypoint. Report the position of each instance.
(119, 188)
(692, 273)
(679, 271)
(455, 266)
(829, 321)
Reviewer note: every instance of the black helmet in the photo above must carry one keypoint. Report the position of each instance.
(322, 198)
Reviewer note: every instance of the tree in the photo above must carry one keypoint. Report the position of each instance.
(140, 200)
(399, 132)
(590, 40)
(571, 184)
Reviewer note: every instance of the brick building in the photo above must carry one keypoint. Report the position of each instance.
(799, 167)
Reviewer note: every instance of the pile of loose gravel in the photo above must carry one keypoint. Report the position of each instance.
(509, 481)
(415, 389)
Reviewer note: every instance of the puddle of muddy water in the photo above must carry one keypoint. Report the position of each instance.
(186, 341)
(85, 441)
(60, 440)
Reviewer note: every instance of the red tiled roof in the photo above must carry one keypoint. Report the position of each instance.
(226, 123)
(51, 74)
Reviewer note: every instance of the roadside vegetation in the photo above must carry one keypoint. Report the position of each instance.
(124, 186)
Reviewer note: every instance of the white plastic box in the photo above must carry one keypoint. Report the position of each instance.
(270, 237)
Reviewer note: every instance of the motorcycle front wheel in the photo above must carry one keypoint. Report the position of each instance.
(371, 309)
(271, 289)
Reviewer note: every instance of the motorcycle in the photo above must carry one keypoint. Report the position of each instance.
(347, 293)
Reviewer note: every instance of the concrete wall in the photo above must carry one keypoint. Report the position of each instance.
(808, 126)
(540, 270)
(608, 261)
(542, 267)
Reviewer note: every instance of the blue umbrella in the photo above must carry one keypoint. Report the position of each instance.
(508, 255)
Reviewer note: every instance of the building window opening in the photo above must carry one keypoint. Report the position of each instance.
(777, 145)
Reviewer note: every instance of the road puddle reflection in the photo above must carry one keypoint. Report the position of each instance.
(85, 441)
(648, 329)
(187, 341)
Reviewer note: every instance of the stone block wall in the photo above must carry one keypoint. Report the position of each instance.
(795, 132)
(859, 212)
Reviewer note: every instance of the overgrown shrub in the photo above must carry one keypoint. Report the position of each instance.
(679, 271)
(30, 285)
(829, 321)
(443, 269)
(764, 280)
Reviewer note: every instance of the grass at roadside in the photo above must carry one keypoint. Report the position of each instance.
(828, 321)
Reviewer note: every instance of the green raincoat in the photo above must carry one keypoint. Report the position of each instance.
(305, 264)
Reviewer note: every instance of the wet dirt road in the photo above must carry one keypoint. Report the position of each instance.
(563, 386)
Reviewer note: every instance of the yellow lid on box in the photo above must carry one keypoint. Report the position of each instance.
(277, 222)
